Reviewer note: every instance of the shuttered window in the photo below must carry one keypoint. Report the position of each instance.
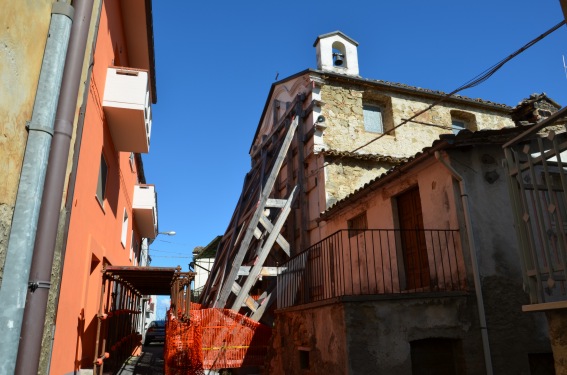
(357, 224)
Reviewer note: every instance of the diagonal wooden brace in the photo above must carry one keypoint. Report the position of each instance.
(255, 271)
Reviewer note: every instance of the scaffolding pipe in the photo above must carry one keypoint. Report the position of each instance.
(26, 211)
(474, 261)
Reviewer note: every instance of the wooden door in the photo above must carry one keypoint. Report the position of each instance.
(414, 249)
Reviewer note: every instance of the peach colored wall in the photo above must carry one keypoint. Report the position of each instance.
(95, 230)
(437, 199)
(439, 209)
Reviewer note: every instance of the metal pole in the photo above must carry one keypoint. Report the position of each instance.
(44, 249)
(30, 190)
(476, 273)
(100, 316)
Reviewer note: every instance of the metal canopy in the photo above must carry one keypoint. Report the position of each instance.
(146, 280)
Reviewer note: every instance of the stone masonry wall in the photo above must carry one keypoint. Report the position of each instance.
(345, 125)
(347, 175)
(319, 331)
(345, 132)
(380, 332)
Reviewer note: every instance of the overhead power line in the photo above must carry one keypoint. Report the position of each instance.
(480, 78)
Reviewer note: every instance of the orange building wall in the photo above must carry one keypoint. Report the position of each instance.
(94, 235)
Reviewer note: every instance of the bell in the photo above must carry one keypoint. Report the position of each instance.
(338, 57)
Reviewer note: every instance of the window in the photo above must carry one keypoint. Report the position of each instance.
(304, 358)
(357, 224)
(457, 126)
(436, 356)
(134, 250)
(102, 175)
(124, 228)
(132, 161)
(372, 118)
(461, 120)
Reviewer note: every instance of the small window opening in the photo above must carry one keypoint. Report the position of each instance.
(373, 118)
(541, 363)
(461, 120)
(132, 161)
(357, 224)
(457, 126)
(436, 356)
(102, 177)
(124, 228)
(94, 263)
(304, 359)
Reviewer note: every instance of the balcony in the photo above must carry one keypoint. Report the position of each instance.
(127, 109)
(374, 262)
(145, 210)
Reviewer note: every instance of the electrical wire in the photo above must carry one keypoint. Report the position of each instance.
(475, 81)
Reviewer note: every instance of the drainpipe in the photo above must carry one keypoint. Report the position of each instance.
(473, 251)
(30, 189)
(40, 274)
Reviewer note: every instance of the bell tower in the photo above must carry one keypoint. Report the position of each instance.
(337, 53)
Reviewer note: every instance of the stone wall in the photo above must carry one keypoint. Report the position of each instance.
(375, 337)
(557, 320)
(513, 334)
(371, 337)
(318, 331)
(347, 175)
(345, 132)
(345, 124)
(379, 333)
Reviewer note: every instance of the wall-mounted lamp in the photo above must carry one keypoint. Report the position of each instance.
(320, 123)
(168, 233)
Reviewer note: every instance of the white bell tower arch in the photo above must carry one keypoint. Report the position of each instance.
(337, 53)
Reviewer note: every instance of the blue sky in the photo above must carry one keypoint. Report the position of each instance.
(215, 62)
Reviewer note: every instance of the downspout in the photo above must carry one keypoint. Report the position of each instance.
(474, 261)
(30, 190)
(40, 274)
(65, 216)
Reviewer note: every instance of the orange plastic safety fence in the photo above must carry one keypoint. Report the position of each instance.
(218, 338)
(182, 350)
(231, 340)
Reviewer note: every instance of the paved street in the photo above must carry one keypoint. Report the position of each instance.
(150, 362)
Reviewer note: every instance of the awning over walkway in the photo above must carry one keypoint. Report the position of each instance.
(146, 280)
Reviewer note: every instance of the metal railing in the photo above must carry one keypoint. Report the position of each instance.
(537, 175)
(373, 262)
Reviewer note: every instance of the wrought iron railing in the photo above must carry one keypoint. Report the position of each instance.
(373, 262)
(537, 172)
